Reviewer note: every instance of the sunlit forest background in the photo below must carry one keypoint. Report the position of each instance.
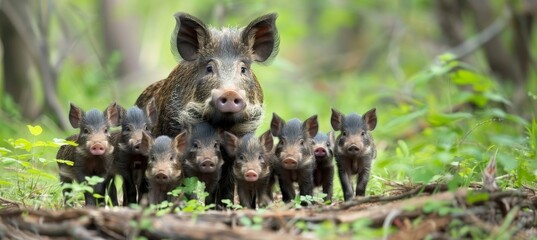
(454, 82)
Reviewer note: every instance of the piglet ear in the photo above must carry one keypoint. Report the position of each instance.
(75, 115)
(151, 111)
(262, 36)
(311, 126)
(370, 119)
(147, 142)
(231, 142)
(113, 114)
(267, 141)
(180, 142)
(336, 120)
(276, 125)
(189, 36)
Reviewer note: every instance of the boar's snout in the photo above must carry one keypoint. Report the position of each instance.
(161, 177)
(228, 101)
(290, 163)
(207, 166)
(136, 145)
(251, 176)
(320, 152)
(97, 149)
(353, 149)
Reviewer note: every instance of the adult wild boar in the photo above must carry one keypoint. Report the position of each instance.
(214, 82)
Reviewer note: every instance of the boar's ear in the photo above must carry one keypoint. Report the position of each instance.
(180, 142)
(147, 142)
(113, 114)
(262, 36)
(151, 111)
(276, 125)
(336, 120)
(231, 143)
(189, 36)
(311, 126)
(370, 119)
(266, 141)
(75, 116)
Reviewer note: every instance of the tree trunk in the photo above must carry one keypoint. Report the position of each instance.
(16, 62)
(121, 35)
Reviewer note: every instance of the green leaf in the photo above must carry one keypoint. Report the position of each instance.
(67, 162)
(35, 130)
(22, 143)
(8, 161)
(4, 150)
(474, 197)
(5, 183)
(61, 142)
(439, 119)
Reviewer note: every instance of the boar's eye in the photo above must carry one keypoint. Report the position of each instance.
(209, 68)
(86, 131)
(363, 134)
(243, 70)
(261, 159)
(152, 158)
(171, 158)
(241, 157)
(328, 144)
(195, 146)
(146, 128)
(127, 129)
(216, 146)
(343, 133)
(301, 142)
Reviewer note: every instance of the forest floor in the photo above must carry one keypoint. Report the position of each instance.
(408, 213)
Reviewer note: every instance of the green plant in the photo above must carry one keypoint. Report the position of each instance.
(230, 205)
(26, 171)
(190, 186)
(309, 200)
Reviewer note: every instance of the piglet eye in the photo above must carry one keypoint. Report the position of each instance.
(328, 144)
(362, 133)
(127, 129)
(209, 69)
(146, 128)
(86, 131)
(171, 158)
(106, 130)
(343, 133)
(216, 146)
(243, 70)
(195, 146)
(301, 142)
(241, 157)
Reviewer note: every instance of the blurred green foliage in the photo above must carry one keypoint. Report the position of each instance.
(439, 119)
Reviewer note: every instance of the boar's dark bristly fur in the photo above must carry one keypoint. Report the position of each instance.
(354, 149)
(214, 83)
